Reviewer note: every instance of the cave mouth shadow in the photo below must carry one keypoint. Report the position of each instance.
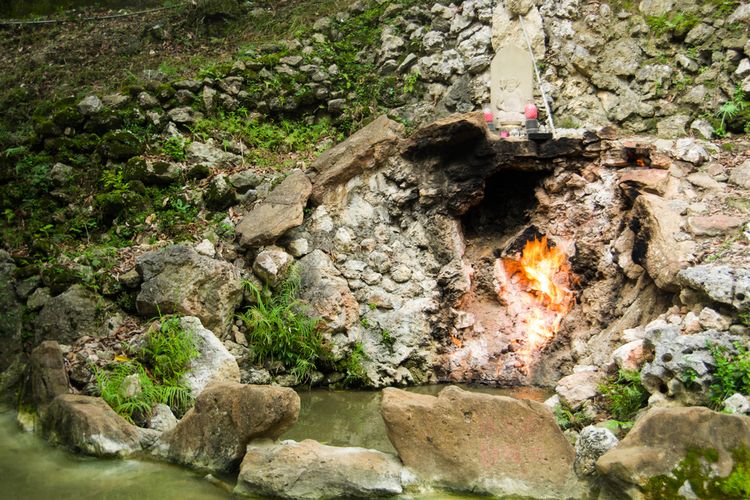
(505, 209)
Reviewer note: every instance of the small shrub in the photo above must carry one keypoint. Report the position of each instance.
(174, 148)
(624, 395)
(732, 373)
(568, 419)
(355, 373)
(158, 366)
(280, 329)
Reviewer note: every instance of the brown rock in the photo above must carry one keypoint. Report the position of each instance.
(48, 376)
(88, 425)
(577, 388)
(453, 131)
(313, 470)
(365, 150)
(226, 416)
(655, 247)
(714, 225)
(660, 440)
(648, 180)
(282, 210)
(480, 443)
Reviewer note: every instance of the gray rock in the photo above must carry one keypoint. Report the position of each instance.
(220, 193)
(737, 404)
(433, 41)
(673, 126)
(593, 442)
(190, 85)
(740, 14)
(336, 106)
(61, 173)
(115, 100)
(280, 211)
(48, 376)
(38, 299)
(702, 129)
(699, 34)
(244, 180)
(162, 419)
(214, 362)
(12, 313)
(90, 105)
(178, 280)
(575, 389)
(682, 365)
(199, 152)
(88, 425)
(209, 99)
(214, 434)
(271, 265)
(313, 470)
(146, 100)
(184, 114)
(70, 315)
(655, 7)
(721, 283)
(441, 66)
(740, 175)
(327, 293)
(298, 247)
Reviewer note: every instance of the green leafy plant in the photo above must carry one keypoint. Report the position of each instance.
(156, 369)
(354, 370)
(569, 419)
(732, 373)
(387, 338)
(624, 395)
(410, 82)
(729, 110)
(175, 148)
(281, 330)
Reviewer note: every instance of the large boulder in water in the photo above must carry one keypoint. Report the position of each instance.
(179, 280)
(214, 433)
(664, 437)
(48, 376)
(312, 470)
(88, 425)
(481, 443)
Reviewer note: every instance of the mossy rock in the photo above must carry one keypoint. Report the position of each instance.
(58, 278)
(165, 92)
(121, 145)
(68, 116)
(110, 205)
(46, 128)
(81, 143)
(104, 121)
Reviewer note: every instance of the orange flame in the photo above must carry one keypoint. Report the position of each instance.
(547, 275)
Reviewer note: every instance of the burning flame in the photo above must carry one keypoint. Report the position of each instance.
(547, 277)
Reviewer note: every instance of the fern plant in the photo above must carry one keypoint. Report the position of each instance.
(159, 367)
(281, 330)
(625, 395)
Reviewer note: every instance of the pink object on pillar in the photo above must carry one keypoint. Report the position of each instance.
(531, 111)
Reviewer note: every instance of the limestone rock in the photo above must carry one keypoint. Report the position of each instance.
(577, 388)
(451, 132)
(630, 356)
(178, 280)
(593, 442)
(271, 265)
(312, 470)
(70, 315)
(714, 225)
(88, 425)
(655, 248)
(662, 438)
(48, 376)
(480, 443)
(162, 419)
(740, 175)
(363, 151)
(90, 105)
(655, 7)
(279, 212)
(214, 434)
(214, 362)
(220, 194)
(721, 283)
(11, 317)
(327, 293)
(199, 152)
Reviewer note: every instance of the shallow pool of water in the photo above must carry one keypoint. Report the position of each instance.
(32, 470)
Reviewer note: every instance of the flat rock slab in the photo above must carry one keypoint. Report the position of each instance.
(226, 417)
(312, 470)
(721, 283)
(480, 443)
(661, 439)
(365, 150)
(282, 210)
(88, 425)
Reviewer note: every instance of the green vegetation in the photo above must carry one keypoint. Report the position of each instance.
(732, 373)
(355, 373)
(731, 112)
(154, 373)
(676, 24)
(174, 148)
(569, 419)
(696, 469)
(281, 330)
(387, 338)
(624, 395)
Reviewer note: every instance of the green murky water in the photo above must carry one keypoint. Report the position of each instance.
(32, 470)
(14, 9)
